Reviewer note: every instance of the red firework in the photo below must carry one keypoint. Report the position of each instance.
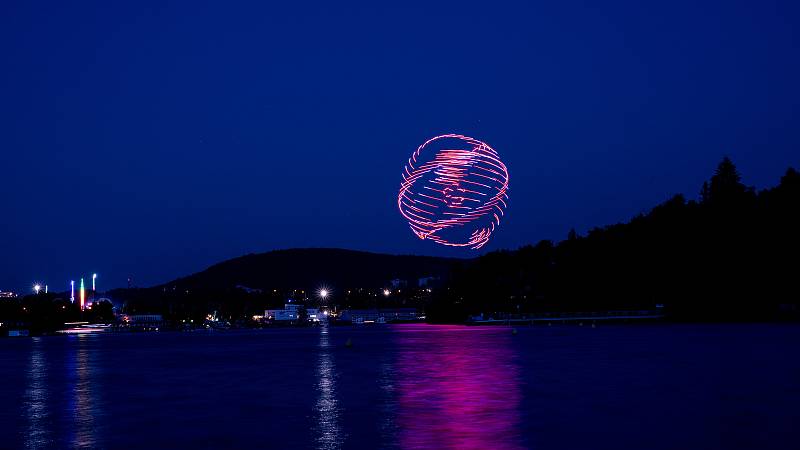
(454, 191)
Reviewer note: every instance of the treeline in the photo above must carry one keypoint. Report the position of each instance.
(42, 312)
(732, 254)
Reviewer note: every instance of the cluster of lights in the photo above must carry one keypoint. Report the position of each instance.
(454, 191)
(37, 288)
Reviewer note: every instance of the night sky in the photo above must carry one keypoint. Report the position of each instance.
(156, 139)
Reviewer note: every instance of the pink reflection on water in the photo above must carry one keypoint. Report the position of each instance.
(458, 387)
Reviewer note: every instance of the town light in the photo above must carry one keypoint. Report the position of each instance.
(37, 288)
(386, 292)
(83, 296)
(323, 293)
(94, 278)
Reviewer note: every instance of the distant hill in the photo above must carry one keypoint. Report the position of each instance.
(312, 267)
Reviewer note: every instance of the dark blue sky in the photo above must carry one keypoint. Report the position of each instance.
(154, 140)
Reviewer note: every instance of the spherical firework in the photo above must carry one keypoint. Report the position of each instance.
(454, 191)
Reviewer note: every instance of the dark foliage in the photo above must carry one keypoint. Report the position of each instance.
(731, 256)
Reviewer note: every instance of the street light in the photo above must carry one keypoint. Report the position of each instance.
(323, 293)
(386, 292)
(94, 277)
(37, 288)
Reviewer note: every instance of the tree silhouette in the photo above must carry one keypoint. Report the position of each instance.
(726, 184)
(572, 235)
(791, 179)
(705, 193)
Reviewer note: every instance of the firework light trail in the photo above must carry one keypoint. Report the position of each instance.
(454, 191)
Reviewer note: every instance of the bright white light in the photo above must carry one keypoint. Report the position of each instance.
(386, 292)
(37, 288)
(323, 293)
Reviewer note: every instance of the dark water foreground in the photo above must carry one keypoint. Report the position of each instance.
(408, 386)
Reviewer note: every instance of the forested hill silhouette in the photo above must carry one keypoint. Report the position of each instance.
(731, 254)
(309, 268)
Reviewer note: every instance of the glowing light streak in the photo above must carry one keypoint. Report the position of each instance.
(453, 188)
(83, 295)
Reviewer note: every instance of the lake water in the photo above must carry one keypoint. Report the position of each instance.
(407, 386)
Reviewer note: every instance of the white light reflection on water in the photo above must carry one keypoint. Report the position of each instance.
(326, 410)
(388, 404)
(83, 397)
(36, 399)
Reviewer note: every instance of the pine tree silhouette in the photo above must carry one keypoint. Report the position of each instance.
(726, 184)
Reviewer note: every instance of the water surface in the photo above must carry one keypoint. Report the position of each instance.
(407, 386)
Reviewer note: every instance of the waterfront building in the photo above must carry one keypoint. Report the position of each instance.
(143, 321)
(290, 312)
(385, 315)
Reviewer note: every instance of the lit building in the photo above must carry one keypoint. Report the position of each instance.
(386, 315)
(8, 294)
(292, 312)
(288, 313)
(143, 321)
(314, 314)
